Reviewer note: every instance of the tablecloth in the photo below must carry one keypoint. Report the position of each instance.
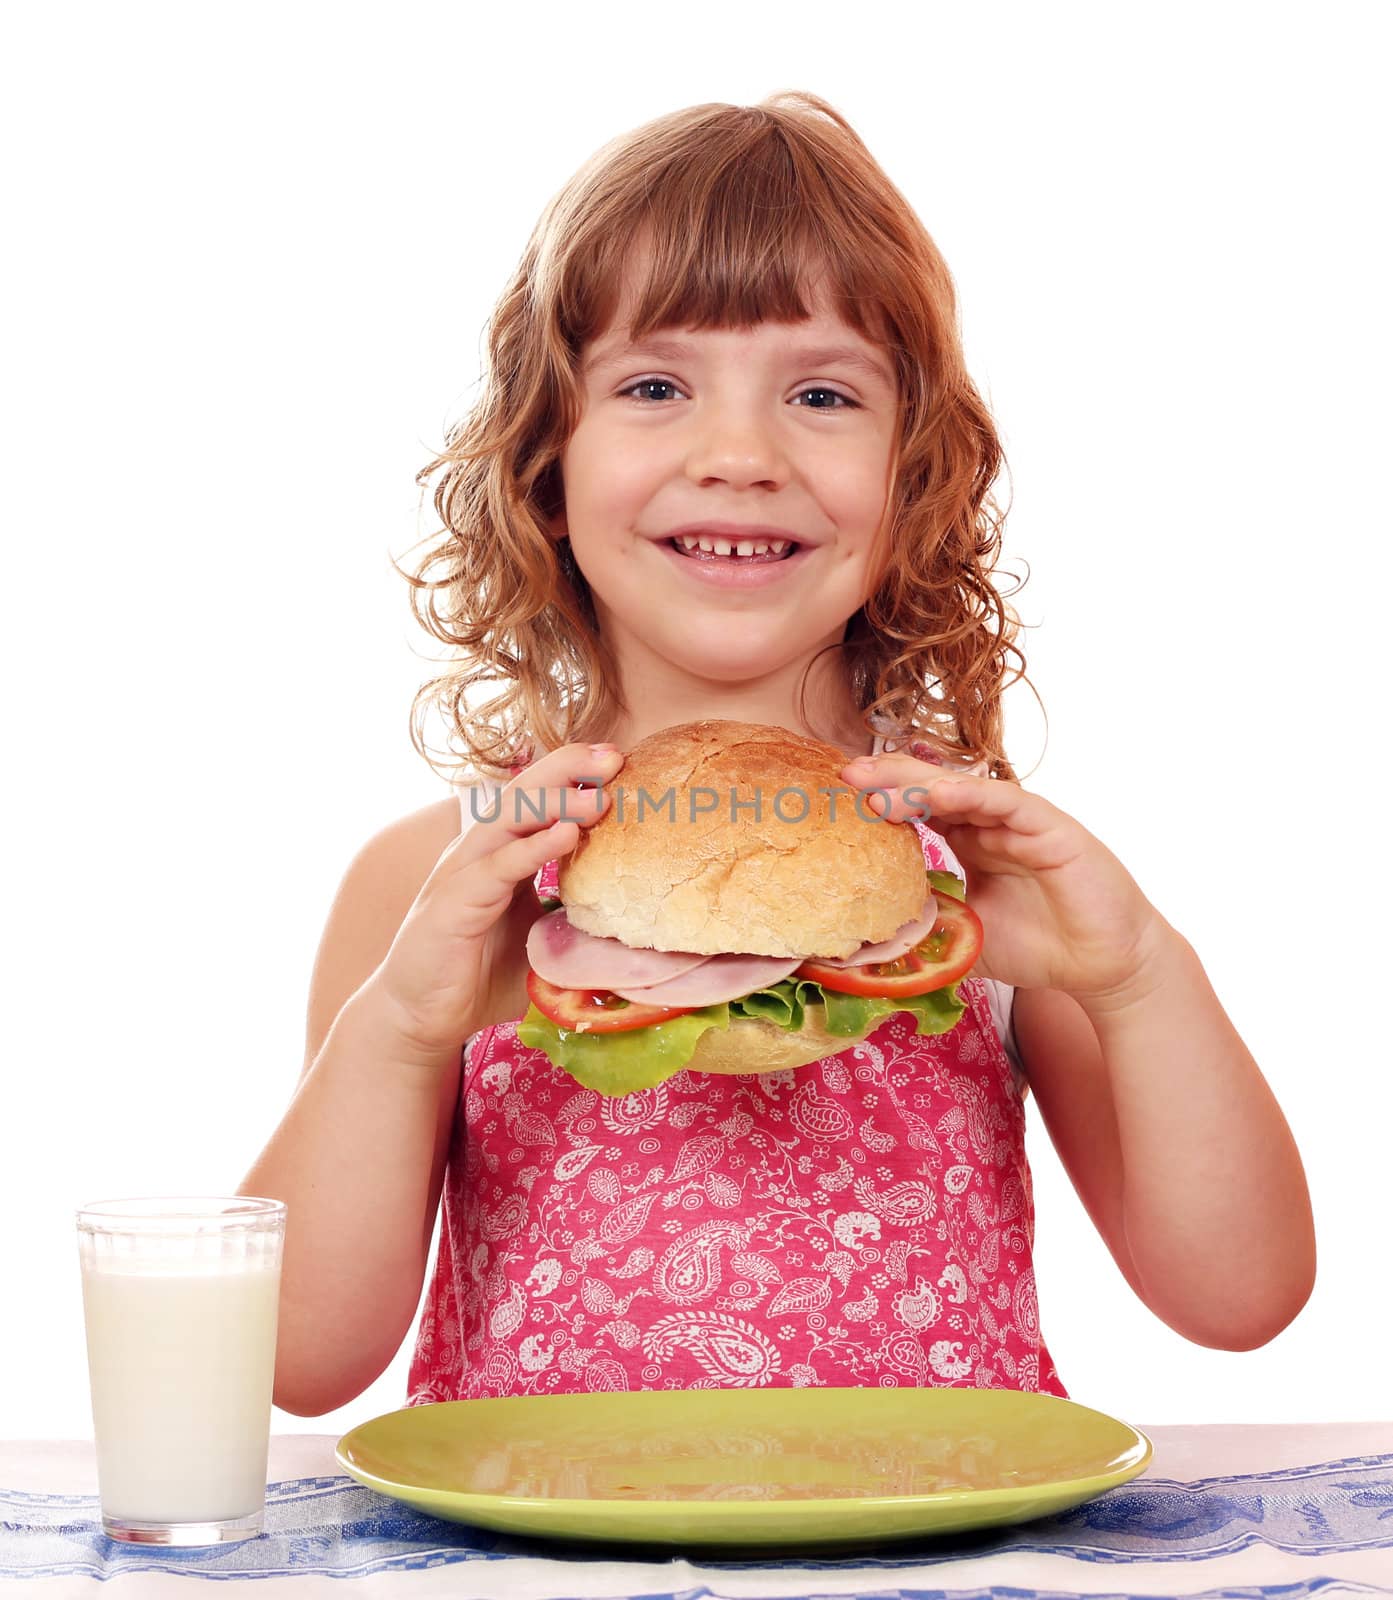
(1279, 1510)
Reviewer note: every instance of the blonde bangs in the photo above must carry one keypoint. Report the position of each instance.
(740, 242)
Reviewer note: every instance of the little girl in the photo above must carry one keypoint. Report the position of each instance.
(729, 463)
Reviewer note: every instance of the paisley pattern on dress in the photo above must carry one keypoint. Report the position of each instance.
(864, 1220)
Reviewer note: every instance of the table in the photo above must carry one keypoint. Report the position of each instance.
(1281, 1510)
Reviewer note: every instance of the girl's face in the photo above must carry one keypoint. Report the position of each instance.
(788, 426)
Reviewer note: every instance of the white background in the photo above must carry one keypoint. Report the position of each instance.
(252, 254)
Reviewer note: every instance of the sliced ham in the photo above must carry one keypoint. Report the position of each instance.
(718, 978)
(571, 959)
(563, 955)
(899, 943)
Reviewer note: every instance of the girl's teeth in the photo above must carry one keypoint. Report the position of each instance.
(744, 547)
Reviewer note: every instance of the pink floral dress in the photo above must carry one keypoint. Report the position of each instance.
(864, 1220)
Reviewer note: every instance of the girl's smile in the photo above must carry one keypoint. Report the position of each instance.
(732, 561)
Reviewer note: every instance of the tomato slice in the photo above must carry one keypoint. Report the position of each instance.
(948, 953)
(594, 1010)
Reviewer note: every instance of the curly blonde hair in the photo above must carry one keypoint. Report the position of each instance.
(742, 207)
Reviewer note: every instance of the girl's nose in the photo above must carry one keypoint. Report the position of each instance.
(736, 446)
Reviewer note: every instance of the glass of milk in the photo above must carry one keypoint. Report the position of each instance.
(180, 1297)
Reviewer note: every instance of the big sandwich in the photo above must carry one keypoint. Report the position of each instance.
(739, 909)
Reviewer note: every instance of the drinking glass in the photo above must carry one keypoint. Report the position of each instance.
(180, 1297)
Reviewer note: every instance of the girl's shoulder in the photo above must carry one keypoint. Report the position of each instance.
(376, 891)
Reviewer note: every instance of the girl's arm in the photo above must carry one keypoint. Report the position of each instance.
(424, 945)
(1178, 1150)
(359, 1156)
(1161, 1117)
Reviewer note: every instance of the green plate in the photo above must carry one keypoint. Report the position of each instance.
(749, 1468)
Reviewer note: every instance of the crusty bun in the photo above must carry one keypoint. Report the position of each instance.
(725, 880)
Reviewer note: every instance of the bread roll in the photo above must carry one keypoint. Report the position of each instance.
(748, 1045)
(810, 873)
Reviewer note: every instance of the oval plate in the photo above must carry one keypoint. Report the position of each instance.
(750, 1468)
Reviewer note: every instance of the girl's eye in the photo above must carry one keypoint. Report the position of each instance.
(830, 394)
(833, 394)
(647, 383)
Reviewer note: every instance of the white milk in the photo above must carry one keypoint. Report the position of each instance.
(181, 1361)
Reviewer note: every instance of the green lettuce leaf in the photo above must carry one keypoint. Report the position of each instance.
(639, 1058)
(619, 1063)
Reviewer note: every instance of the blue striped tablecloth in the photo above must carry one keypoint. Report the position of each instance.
(1280, 1510)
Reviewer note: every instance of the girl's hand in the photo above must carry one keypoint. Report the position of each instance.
(1058, 909)
(459, 958)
